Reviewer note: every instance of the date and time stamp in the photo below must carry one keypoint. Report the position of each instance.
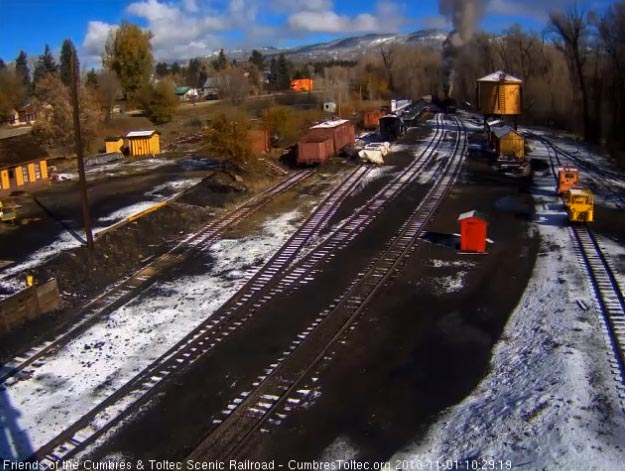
(451, 465)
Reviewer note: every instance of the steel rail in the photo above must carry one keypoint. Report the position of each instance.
(275, 388)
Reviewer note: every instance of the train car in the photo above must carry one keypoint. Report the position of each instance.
(325, 140)
(371, 119)
(568, 177)
(301, 85)
(391, 127)
(579, 204)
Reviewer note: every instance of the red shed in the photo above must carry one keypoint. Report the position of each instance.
(259, 141)
(472, 232)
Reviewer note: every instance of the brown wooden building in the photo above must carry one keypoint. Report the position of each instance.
(23, 164)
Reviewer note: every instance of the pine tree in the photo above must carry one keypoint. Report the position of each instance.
(45, 65)
(21, 69)
(66, 57)
(221, 62)
(257, 59)
(162, 69)
(2, 64)
(92, 78)
(193, 73)
(283, 73)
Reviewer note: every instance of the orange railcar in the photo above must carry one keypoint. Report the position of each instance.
(302, 85)
(568, 177)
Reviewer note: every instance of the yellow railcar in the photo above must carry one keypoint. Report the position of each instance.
(579, 204)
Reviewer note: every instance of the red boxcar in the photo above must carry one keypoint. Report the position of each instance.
(314, 148)
(335, 135)
(372, 118)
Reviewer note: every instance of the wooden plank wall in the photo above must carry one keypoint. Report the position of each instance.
(30, 303)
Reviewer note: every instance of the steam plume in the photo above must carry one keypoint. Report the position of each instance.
(464, 15)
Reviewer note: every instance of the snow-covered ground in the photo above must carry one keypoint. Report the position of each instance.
(102, 359)
(550, 400)
(599, 172)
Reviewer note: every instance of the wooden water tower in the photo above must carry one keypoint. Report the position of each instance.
(500, 94)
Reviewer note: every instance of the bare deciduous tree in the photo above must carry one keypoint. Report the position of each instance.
(233, 85)
(109, 88)
(569, 32)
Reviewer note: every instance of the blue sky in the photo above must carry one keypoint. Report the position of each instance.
(189, 28)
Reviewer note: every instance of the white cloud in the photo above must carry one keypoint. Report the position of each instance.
(190, 6)
(178, 34)
(434, 22)
(93, 44)
(534, 9)
(388, 17)
(301, 5)
(330, 22)
(182, 29)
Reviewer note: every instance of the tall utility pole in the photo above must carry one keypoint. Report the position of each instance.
(86, 217)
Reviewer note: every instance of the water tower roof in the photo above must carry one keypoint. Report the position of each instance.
(500, 76)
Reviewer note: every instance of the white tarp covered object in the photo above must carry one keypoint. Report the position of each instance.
(374, 153)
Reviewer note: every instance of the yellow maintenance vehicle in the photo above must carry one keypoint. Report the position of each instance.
(579, 204)
(7, 212)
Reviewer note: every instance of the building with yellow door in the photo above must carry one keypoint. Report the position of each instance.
(142, 143)
(23, 164)
(507, 142)
(113, 144)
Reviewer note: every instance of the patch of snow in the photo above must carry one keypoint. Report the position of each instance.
(66, 241)
(105, 357)
(174, 186)
(449, 284)
(451, 263)
(550, 400)
(374, 174)
(342, 448)
(126, 212)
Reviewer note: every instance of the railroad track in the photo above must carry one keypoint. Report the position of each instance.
(608, 294)
(131, 286)
(109, 412)
(274, 392)
(609, 298)
(280, 271)
(556, 154)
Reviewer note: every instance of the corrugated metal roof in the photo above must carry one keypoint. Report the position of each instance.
(500, 76)
(501, 131)
(330, 124)
(182, 90)
(472, 214)
(140, 133)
